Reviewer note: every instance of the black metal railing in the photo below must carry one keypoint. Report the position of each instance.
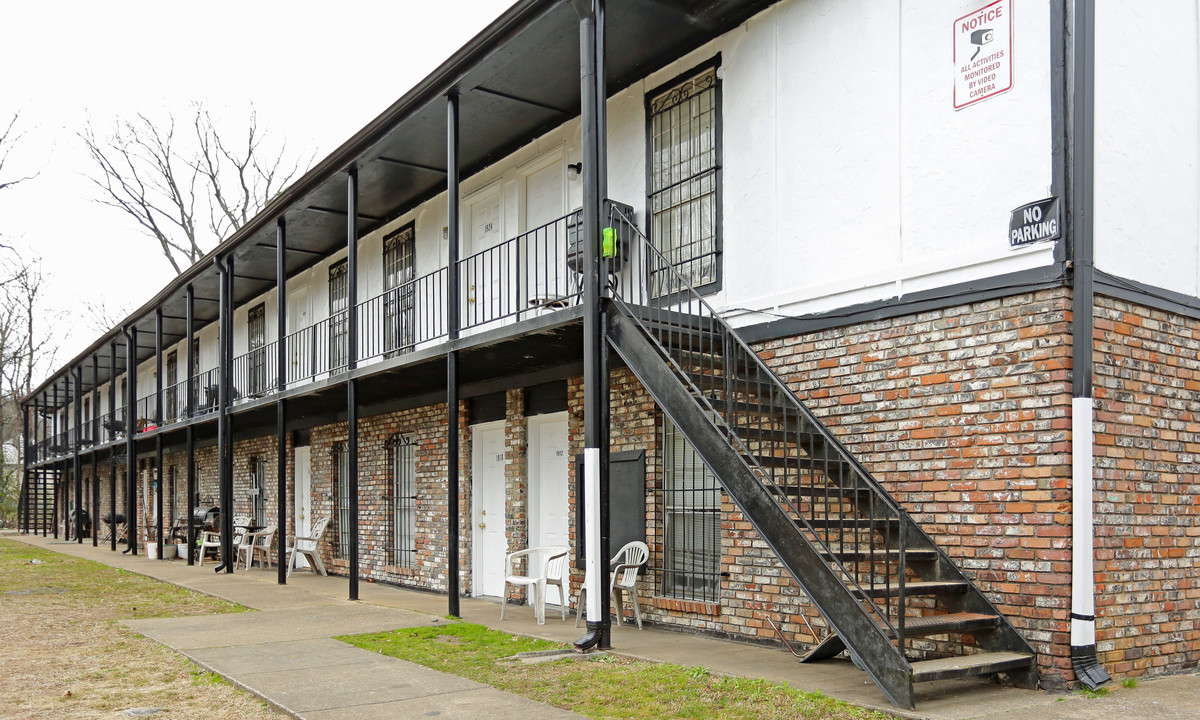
(399, 320)
(839, 507)
(255, 373)
(530, 273)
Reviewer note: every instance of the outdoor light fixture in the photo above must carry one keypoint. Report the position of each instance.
(573, 170)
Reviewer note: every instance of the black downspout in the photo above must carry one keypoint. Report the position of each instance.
(190, 436)
(280, 403)
(77, 461)
(1081, 185)
(594, 371)
(158, 423)
(131, 343)
(351, 365)
(452, 321)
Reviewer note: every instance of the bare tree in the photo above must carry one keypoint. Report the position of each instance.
(192, 190)
(8, 139)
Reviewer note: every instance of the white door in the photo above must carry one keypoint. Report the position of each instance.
(300, 350)
(303, 497)
(488, 272)
(548, 484)
(545, 269)
(489, 542)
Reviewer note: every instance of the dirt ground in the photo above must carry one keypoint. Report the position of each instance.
(63, 653)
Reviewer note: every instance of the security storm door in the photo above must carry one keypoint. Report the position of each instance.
(172, 398)
(488, 270)
(488, 541)
(548, 485)
(544, 252)
(399, 301)
(303, 456)
(256, 359)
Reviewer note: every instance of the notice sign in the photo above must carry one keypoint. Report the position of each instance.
(983, 54)
(1034, 222)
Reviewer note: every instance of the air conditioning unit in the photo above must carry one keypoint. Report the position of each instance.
(621, 234)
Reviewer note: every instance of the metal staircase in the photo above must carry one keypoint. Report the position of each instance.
(876, 576)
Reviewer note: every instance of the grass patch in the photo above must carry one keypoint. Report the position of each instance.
(600, 686)
(1093, 694)
(1129, 682)
(74, 658)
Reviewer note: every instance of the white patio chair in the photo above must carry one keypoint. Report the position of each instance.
(211, 539)
(256, 543)
(308, 546)
(538, 574)
(629, 561)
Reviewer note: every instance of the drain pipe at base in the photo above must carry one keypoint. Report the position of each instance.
(1082, 142)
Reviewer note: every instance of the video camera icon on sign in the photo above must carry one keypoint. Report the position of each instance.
(981, 37)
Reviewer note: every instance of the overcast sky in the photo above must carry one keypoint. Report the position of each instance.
(316, 72)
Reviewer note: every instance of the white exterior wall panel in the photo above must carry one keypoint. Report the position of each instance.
(1147, 150)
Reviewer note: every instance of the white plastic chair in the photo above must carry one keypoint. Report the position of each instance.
(212, 538)
(308, 546)
(255, 543)
(538, 575)
(629, 561)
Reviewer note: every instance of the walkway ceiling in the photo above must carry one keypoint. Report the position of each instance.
(517, 79)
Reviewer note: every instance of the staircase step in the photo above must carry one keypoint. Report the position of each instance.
(821, 493)
(740, 386)
(832, 523)
(685, 338)
(878, 555)
(969, 665)
(948, 623)
(719, 361)
(914, 588)
(830, 466)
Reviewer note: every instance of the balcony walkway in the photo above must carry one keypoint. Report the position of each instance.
(289, 658)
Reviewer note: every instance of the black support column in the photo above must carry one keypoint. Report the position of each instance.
(595, 371)
(452, 321)
(77, 461)
(95, 432)
(189, 432)
(224, 419)
(131, 342)
(112, 451)
(25, 475)
(280, 403)
(55, 441)
(158, 423)
(352, 363)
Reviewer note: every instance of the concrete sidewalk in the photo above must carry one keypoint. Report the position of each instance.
(284, 654)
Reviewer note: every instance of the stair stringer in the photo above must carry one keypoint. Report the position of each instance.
(881, 659)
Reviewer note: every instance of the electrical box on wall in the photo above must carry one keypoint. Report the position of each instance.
(615, 234)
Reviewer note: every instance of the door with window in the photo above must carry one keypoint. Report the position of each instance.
(488, 541)
(399, 300)
(684, 198)
(339, 318)
(256, 359)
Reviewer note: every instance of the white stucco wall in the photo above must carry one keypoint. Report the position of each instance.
(1147, 146)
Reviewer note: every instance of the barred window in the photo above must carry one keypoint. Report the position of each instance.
(685, 182)
(172, 512)
(399, 270)
(692, 520)
(339, 317)
(258, 470)
(402, 465)
(340, 517)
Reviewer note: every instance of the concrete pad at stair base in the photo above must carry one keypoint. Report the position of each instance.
(265, 626)
(243, 660)
(472, 705)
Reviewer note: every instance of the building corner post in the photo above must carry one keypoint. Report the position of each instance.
(452, 323)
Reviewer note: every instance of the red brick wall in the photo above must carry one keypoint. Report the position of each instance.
(1147, 499)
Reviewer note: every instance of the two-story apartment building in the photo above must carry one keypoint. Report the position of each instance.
(843, 260)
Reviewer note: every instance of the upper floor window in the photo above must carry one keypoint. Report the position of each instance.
(399, 270)
(684, 145)
(339, 317)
